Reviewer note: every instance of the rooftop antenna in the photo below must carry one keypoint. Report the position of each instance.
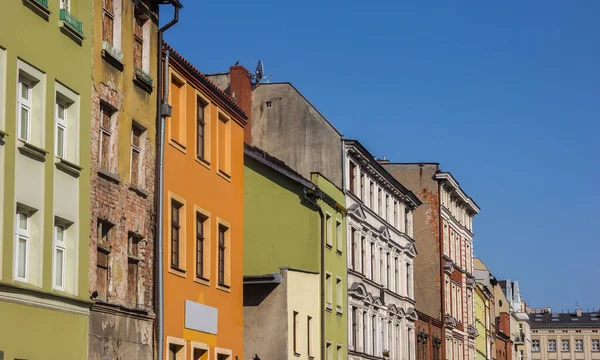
(259, 73)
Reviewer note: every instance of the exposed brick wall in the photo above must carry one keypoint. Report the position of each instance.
(240, 88)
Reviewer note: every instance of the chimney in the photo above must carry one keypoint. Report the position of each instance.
(240, 88)
(578, 311)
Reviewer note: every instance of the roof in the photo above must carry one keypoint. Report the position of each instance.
(275, 164)
(569, 319)
(206, 81)
(441, 175)
(383, 171)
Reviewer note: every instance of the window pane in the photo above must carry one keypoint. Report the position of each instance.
(105, 119)
(107, 28)
(135, 155)
(61, 111)
(135, 136)
(58, 268)
(60, 141)
(105, 155)
(60, 232)
(137, 53)
(24, 123)
(23, 221)
(24, 91)
(22, 257)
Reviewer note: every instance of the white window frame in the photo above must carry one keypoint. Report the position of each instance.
(60, 124)
(65, 4)
(137, 149)
(595, 345)
(24, 103)
(578, 345)
(22, 234)
(328, 290)
(338, 236)
(535, 346)
(59, 246)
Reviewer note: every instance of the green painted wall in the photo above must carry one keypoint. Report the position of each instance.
(29, 37)
(335, 263)
(280, 228)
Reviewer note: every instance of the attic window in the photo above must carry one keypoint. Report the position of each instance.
(268, 103)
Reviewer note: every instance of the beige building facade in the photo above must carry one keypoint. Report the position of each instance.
(565, 336)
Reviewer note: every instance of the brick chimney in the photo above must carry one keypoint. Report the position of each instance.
(504, 323)
(240, 88)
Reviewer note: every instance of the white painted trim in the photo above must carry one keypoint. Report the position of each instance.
(51, 304)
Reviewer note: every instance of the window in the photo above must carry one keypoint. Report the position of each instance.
(338, 288)
(372, 196)
(352, 177)
(309, 335)
(22, 246)
(406, 221)
(379, 202)
(373, 333)
(65, 4)
(102, 259)
(328, 350)
(595, 345)
(387, 208)
(396, 275)
(176, 352)
(223, 233)
(329, 229)
(200, 353)
(579, 345)
(396, 214)
(223, 357)
(551, 345)
(175, 234)
(362, 187)
(372, 261)
(354, 332)
(60, 142)
(353, 250)
(136, 155)
(409, 344)
(133, 253)
(178, 103)
(389, 272)
(365, 332)
(104, 152)
(408, 269)
(200, 220)
(565, 346)
(24, 105)
(59, 257)
(339, 241)
(339, 352)
(224, 138)
(108, 19)
(363, 254)
(328, 290)
(381, 267)
(295, 332)
(200, 128)
(139, 43)
(535, 346)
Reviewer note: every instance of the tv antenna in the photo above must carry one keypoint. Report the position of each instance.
(259, 73)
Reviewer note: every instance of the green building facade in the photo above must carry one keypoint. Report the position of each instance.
(45, 87)
(282, 233)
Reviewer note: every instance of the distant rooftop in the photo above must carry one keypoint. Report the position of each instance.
(574, 318)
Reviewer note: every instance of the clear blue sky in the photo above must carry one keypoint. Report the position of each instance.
(503, 94)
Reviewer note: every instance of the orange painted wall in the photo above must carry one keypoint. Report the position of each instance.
(199, 184)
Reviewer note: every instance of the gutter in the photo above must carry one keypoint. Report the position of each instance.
(162, 111)
(310, 197)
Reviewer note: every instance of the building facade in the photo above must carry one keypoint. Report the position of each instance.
(443, 226)
(570, 335)
(297, 225)
(45, 86)
(520, 329)
(123, 178)
(380, 259)
(204, 218)
(483, 321)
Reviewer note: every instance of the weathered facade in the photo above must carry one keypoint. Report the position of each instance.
(443, 226)
(123, 179)
(204, 218)
(380, 259)
(573, 335)
(45, 85)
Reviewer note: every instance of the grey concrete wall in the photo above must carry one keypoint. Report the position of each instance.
(265, 320)
(220, 80)
(287, 126)
(118, 336)
(419, 179)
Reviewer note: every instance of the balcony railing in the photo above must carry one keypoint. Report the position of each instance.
(71, 21)
(44, 3)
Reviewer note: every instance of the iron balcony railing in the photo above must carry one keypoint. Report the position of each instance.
(44, 3)
(72, 21)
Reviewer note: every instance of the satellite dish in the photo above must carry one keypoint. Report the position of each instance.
(260, 71)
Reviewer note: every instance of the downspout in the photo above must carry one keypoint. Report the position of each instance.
(307, 196)
(162, 111)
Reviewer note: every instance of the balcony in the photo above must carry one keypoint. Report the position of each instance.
(40, 7)
(71, 25)
(519, 339)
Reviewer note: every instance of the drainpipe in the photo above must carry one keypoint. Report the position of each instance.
(308, 195)
(162, 112)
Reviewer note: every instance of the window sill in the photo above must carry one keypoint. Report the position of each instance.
(296, 354)
(174, 143)
(68, 167)
(3, 134)
(328, 307)
(112, 56)
(338, 311)
(224, 287)
(39, 8)
(138, 191)
(109, 176)
(203, 162)
(328, 246)
(224, 175)
(202, 281)
(68, 30)
(176, 271)
(339, 252)
(133, 259)
(143, 82)
(32, 151)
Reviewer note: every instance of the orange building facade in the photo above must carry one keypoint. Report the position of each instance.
(203, 218)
